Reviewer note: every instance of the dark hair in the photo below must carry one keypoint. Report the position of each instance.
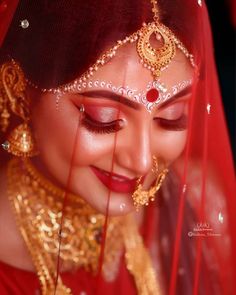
(65, 37)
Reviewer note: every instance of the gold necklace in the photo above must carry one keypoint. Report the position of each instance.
(138, 260)
(38, 205)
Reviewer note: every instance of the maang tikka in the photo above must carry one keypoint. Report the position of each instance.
(13, 99)
(155, 59)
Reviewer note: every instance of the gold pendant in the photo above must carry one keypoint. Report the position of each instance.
(155, 59)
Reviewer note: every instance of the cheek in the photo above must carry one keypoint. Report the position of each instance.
(93, 147)
(171, 145)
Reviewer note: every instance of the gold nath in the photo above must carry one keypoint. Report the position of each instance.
(142, 197)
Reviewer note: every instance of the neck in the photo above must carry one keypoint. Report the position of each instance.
(48, 222)
(39, 218)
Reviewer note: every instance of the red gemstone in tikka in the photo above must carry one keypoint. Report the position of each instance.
(152, 95)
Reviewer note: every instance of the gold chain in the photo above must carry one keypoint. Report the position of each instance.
(155, 10)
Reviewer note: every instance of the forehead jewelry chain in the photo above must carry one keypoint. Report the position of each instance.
(154, 59)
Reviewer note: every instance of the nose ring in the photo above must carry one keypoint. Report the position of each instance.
(142, 197)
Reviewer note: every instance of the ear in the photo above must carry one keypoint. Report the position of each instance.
(12, 93)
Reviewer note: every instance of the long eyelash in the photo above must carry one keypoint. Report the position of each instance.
(175, 125)
(99, 127)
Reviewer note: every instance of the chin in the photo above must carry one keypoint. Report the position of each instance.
(112, 203)
(105, 196)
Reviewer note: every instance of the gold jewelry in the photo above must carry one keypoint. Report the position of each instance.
(142, 197)
(13, 99)
(38, 209)
(154, 59)
(157, 59)
(138, 260)
(20, 142)
(37, 205)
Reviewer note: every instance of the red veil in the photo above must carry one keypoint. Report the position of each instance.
(197, 203)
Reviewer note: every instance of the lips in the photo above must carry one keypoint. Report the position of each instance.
(115, 182)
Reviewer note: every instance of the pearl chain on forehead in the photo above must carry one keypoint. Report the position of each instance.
(164, 93)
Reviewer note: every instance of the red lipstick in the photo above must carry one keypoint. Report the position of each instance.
(115, 182)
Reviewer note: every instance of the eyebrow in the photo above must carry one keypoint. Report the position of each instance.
(112, 96)
(126, 101)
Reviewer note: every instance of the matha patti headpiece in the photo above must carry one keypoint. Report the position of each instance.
(154, 59)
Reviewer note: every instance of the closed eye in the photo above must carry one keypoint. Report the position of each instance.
(174, 125)
(101, 127)
(173, 117)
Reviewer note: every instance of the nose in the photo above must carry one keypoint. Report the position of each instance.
(134, 152)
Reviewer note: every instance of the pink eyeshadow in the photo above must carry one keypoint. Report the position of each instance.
(102, 114)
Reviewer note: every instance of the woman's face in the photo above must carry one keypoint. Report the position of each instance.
(113, 141)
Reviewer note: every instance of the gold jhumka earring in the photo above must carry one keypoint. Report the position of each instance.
(142, 197)
(13, 99)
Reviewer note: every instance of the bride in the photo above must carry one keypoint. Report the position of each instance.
(116, 174)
